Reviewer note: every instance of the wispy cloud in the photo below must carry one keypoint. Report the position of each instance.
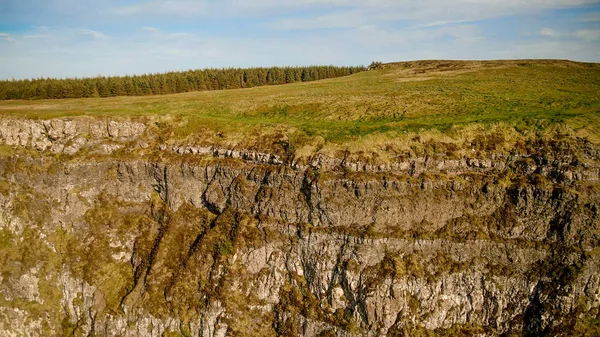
(155, 34)
(439, 23)
(588, 35)
(334, 20)
(41, 28)
(34, 36)
(590, 17)
(94, 34)
(422, 14)
(181, 8)
(6, 37)
(549, 32)
(151, 30)
(437, 10)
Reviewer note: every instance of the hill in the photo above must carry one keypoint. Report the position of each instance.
(378, 111)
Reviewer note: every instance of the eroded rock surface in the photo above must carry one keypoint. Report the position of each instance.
(202, 241)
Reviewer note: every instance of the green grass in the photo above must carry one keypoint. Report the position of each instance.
(402, 98)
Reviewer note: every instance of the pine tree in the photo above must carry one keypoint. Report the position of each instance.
(172, 82)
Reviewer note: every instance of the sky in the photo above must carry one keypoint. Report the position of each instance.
(83, 38)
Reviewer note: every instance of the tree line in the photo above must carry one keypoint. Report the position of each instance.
(166, 83)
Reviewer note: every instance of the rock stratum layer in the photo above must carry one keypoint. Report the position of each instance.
(107, 231)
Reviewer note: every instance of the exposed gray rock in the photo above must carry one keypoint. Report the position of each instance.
(248, 244)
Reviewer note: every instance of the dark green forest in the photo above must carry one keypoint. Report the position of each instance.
(166, 83)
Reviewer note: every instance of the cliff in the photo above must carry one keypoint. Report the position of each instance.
(107, 228)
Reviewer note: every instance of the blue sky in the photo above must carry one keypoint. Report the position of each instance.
(77, 38)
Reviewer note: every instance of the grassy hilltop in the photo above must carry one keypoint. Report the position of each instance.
(378, 110)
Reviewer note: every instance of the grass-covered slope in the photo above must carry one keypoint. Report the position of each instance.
(372, 110)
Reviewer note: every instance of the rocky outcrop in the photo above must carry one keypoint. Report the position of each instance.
(65, 135)
(246, 243)
(71, 136)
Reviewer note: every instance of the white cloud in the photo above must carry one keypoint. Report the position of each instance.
(590, 17)
(434, 10)
(425, 13)
(34, 36)
(151, 30)
(549, 32)
(181, 7)
(335, 20)
(439, 23)
(588, 35)
(381, 38)
(6, 37)
(549, 49)
(92, 33)
(155, 34)
(41, 28)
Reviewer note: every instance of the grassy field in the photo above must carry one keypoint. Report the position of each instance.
(442, 99)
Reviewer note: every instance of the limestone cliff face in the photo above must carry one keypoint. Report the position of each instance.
(105, 231)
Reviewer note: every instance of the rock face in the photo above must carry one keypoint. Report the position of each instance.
(185, 240)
